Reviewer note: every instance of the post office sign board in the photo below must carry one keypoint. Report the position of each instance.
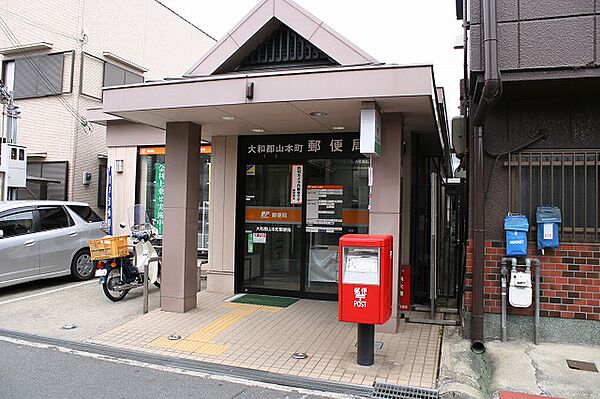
(370, 132)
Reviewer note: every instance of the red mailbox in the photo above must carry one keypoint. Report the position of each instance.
(365, 284)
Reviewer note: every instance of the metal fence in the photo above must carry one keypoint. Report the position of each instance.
(568, 179)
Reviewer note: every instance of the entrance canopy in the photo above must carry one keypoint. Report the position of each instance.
(283, 102)
(281, 70)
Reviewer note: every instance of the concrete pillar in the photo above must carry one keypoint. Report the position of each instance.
(221, 239)
(179, 283)
(386, 203)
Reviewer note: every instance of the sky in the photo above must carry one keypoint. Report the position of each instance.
(404, 32)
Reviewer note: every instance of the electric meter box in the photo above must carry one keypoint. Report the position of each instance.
(13, 162)
(365, 284)
(516, 228)
(548, 218)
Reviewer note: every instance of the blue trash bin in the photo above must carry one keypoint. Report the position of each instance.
(516, 228)
(548, 218)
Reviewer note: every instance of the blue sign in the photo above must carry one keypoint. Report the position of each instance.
(109, 215)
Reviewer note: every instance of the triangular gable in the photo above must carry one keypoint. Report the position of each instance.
(269, 15)
(284, 48)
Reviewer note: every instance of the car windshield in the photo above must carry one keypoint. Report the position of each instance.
(86, 213)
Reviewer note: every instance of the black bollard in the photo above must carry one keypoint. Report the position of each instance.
(366, 345)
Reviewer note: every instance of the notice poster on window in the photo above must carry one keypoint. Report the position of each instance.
(324, 208)
(296, 186)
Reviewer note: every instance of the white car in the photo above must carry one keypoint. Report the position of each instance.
(45, 239)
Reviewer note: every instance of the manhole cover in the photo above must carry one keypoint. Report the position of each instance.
(69, 326)
(382, 390)
(174, 337)
(583, 366)
(299, 355)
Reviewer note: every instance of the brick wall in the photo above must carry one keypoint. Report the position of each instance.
(570, 280)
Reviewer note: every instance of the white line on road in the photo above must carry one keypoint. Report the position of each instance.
(177, 370)
(47, 292)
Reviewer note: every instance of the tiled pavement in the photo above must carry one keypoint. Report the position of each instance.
(264, 338)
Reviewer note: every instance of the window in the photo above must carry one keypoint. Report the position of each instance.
(115, 75)
(36, 76)
(53, 217)
(97, 73)
(86, 213)
(17, 224)
(569, 179)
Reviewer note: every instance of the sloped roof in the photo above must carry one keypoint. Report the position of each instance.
(227, 54)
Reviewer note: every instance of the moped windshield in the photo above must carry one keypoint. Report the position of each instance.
(139, 219)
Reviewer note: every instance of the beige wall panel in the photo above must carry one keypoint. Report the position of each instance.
(217, 204)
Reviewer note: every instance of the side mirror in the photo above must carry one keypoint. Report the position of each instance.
(1, 233)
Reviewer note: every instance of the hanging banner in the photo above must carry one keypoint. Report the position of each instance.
(296, 186)
(109, 215)
(159, 196)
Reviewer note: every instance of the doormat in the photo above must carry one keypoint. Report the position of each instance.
(266, 300)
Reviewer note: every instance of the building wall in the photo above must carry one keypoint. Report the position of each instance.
(123, 139)
(540, 34)
(571, 121)
(569, 281)
(124, 186)
(548, 56)
(141, 31)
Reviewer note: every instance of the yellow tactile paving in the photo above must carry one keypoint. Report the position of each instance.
(264, 338)
(200, 341)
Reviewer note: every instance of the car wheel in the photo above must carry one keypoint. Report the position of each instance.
(82, 267)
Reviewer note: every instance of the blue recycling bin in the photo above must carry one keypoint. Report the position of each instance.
(548, 218)
(516, 228)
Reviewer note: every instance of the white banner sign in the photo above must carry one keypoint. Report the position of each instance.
(296, 186)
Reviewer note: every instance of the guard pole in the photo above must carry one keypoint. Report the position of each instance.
(145, 310)
(146, 267)
(365, 345)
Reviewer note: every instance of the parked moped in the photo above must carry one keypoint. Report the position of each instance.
(121, 274)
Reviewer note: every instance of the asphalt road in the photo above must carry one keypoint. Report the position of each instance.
(47, 372)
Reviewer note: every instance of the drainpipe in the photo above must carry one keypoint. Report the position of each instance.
(504, 272)
(536, 319)
(492, 90)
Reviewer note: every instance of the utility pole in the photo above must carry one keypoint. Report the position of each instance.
(12, 114)
(13, 158)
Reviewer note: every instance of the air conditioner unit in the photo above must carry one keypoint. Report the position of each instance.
(459, 135)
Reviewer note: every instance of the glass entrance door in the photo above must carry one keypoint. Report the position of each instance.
(272, 228)
(337, 197)
(296, 196)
